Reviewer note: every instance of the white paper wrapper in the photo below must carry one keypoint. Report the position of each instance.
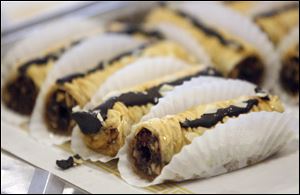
(141, 71)
(177, 101)
(80, 58)
(240, 26)
(239, 142)
(232, 142)
(38, 41)
(284, 45)
(180, 36)
(50, 35)
(198, 92)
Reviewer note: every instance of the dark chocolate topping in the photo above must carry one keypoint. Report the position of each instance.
(101, 65)
(44, 60)
(70, 162)
(209, 31)
(65, 164)
(87, 121)
(38, 61)
(210, 120)
(134, 99)
(277, 11)
(69, 78)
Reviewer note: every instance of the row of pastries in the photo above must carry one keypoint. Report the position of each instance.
(155, 92)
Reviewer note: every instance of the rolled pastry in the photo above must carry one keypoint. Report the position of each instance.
(77, 89)
(278, 21)
(231, 56)
(105, 127)
(157, 140)
(22, 87)
(289, 73)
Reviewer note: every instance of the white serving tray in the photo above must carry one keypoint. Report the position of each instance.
(279, 174)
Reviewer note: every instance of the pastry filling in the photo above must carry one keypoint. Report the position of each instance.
(250, 69)
(289, 75)
(20, 95)
(146, 155)
(58, 112)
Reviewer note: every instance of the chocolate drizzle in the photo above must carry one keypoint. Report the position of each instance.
(210, 120)
(209, 31)
(129, 99)
(70, 162)
(277, 11)
(45, 59)
(39, 61)
(101, 65)
(132, 29)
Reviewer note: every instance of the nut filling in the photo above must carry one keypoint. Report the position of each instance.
(146, 155)
(250, 69)
(289, 75)
(20, 95)
(58, 113)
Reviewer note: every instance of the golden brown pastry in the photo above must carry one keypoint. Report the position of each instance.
(232, 56)
(77, 89)
(157, 140)
(279, 21)
(105, 127)
(22, 87)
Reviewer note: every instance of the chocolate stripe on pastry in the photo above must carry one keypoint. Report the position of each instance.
(135, 29)
(289, 74)
(278, 22)
(156, 141)
(231, 56)
(78, 88)
(101, 65)
(129, 107)
(210, 120)
(21, 90)
(209, 31)
(277, 11)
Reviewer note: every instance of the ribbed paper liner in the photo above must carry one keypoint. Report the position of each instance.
(240, 26)
(284, 45)
(35, 43)
(196, 92)
(180, 36)
(79, 59)
(239, 142)
(183, 98)
(141, 71)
